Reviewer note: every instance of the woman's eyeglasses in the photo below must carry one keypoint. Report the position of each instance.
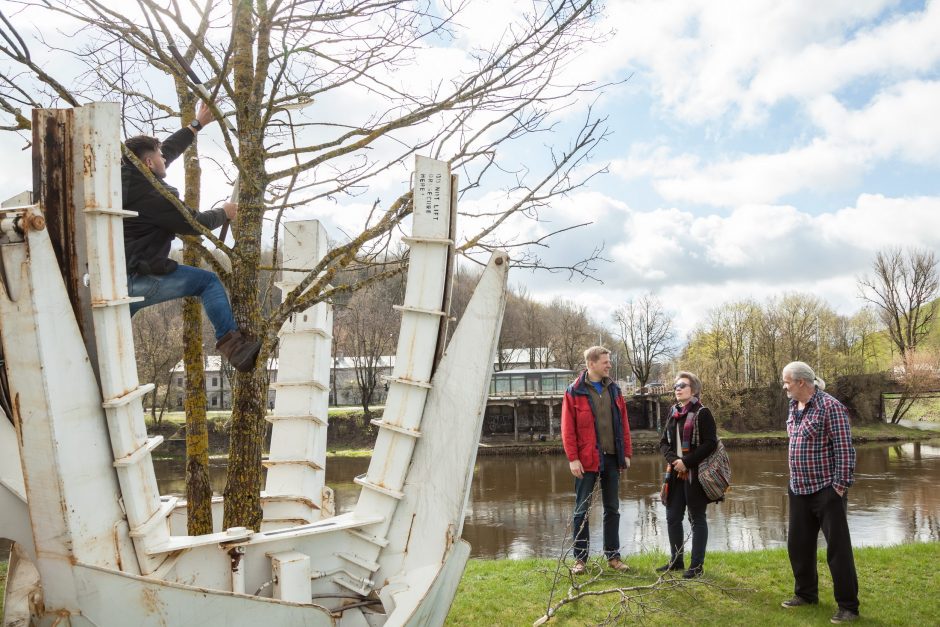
(680, 386)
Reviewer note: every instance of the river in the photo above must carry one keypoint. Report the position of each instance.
(520, 506)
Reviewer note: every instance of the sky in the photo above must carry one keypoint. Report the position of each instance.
(757, 147)
(761, 147)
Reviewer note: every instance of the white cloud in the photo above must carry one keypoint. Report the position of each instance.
(904, 46)
(696, 263)
(899, 123)
(704, 60)
(766, 178)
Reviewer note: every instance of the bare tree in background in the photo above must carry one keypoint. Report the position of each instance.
(904, 287)
(573, 333)
(279, 69)
(159, 341)
(645, 330)
(366, 331)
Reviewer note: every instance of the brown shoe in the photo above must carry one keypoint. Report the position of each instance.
(617, 565)
(579, 568)
(239, 350)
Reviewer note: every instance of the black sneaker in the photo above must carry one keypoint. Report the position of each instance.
(844, 616)
(665, 568)
(692, 573)
(797, 602)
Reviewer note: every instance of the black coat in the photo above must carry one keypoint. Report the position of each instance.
(147, 237)
(708, 440)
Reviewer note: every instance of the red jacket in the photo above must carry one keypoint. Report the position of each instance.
(579, 426)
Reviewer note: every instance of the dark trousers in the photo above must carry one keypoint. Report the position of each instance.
(583, 488)
(809, 513)
(676, 507)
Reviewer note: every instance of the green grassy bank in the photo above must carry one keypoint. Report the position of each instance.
(898, 586)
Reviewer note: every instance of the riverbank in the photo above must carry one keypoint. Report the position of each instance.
(898, 586)
(349, 438)
(647, 441)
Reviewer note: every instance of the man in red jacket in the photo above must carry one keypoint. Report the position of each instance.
(596, 437)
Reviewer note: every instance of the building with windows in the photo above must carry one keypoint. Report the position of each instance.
(526, 402)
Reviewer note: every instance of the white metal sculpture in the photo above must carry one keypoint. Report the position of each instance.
(94, 541)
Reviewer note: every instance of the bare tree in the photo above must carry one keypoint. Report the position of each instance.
(645, 330)
(275, 67)
(159, 342)
(366, 331)
(573, 332)
(904, 287)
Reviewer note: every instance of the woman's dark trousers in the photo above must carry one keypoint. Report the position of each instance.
(675, 511)
(583, 488)
(809, 513)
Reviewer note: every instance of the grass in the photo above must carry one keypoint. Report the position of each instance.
(349, 452)
(3, 582)
(872, 432)
(927, 409)
(179, 417)
(898, 586)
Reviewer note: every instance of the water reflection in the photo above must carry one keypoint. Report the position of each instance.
(520, 506)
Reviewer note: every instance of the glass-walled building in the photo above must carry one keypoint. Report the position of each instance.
(539, 382)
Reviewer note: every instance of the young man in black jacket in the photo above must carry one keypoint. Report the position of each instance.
(147, 238)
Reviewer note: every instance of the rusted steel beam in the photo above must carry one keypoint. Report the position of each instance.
(54, 178)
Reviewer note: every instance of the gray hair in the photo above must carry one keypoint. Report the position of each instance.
(694, 382)
(801, 371)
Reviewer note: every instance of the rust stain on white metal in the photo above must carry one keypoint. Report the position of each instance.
(88, 162)
(115, 535)
(410, 527)
(450, 536)
(35, 223)
(17, 420)
(151, 603)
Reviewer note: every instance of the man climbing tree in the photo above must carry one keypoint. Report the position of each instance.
(147, 238)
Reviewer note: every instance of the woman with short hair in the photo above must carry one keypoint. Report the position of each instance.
(683, 454)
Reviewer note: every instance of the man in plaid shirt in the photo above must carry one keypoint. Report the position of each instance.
(822, 465)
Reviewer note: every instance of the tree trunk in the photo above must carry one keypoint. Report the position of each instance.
(366, 412)
(905, 402)
(244, 482)
(198, 487)
(243, 486)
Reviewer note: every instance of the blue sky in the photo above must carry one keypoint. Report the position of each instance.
(762, 147)
(759, 147)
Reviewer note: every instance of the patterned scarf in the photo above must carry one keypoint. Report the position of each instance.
(681, 414)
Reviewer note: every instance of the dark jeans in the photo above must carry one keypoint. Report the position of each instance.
(185, 281)
(809, 513)
(583, 488)
(676, 507)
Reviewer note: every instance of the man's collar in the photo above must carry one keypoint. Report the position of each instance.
(793, 402)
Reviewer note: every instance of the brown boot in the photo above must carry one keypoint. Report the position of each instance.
(239, 350)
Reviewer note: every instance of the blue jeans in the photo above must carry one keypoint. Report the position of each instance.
(185, 281)
(676, 507)
(583, 488)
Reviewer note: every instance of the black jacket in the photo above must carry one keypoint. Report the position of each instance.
(147, 237)
(708, 440)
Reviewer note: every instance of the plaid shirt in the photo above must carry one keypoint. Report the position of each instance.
(821, 452)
